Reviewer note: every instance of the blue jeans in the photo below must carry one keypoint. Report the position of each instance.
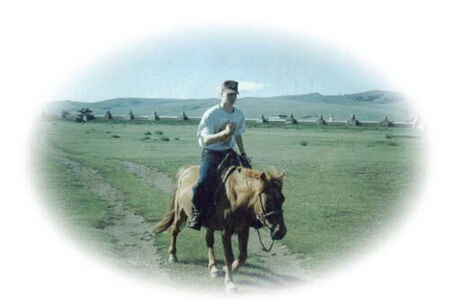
(207, 180)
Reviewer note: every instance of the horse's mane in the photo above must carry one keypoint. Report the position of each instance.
(249, 172)
(270, 171)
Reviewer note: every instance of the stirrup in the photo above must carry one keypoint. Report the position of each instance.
(195, 222)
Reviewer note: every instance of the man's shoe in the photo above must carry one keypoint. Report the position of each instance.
(195, 222)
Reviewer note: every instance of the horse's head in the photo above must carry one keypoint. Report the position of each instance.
(269, 206)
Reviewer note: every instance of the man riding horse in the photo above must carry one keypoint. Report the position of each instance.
(224, 193)
(220, 128)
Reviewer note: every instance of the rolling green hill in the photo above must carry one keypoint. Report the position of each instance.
(370, 105)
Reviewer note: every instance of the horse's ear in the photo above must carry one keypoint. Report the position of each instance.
(263, 176)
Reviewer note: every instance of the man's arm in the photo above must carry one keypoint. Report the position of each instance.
(240, 144)
(245, 161)
(219, 136)
(214, 138)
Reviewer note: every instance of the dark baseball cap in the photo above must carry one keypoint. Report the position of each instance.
(230, 86)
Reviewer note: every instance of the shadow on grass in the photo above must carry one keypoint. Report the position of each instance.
(252, 273)
(203, 263)
(267, 275)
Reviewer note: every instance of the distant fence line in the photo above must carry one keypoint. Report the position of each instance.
(352, 121)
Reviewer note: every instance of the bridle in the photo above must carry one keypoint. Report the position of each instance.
(262, 217)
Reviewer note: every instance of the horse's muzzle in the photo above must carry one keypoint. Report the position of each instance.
(278, 231)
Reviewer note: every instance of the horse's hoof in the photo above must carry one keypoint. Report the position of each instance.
(230, 287)
(215, 273)
(173, 259)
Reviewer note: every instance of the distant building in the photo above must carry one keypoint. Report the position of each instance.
(184, 117)
(263, 119)
(84, 115)
(386, 122)
(108, 115)
(321, 120)
(65, 114)
(353, 121)
(278, 117)
(291, 119)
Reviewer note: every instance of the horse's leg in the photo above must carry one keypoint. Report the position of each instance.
(214, 272)
(226, 240)
(243, 243)
(176, 228)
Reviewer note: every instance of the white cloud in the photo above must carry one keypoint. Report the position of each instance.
(249, 86)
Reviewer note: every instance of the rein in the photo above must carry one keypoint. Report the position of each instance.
(262, 244)
(262, 217)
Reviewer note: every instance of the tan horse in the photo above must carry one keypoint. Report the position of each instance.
(245, 195)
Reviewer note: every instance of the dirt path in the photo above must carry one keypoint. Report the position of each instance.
(134, 249)
(279, 267)
(150, 175)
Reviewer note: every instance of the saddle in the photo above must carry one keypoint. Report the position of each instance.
(228, 164)
(232, 159)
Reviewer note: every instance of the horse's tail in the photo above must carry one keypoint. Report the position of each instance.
(168, 219)
(181, 170)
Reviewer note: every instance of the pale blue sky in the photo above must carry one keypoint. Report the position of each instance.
(194, 64)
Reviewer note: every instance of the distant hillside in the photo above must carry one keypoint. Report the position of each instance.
(379, 96)
(370, 105)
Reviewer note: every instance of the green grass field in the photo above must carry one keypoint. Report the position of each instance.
(345, 187)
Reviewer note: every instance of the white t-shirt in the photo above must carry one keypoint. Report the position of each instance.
(214, 120)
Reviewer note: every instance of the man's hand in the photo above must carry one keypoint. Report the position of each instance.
(230, 127)
(246, 162)
(228, 130)
(224, 134)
